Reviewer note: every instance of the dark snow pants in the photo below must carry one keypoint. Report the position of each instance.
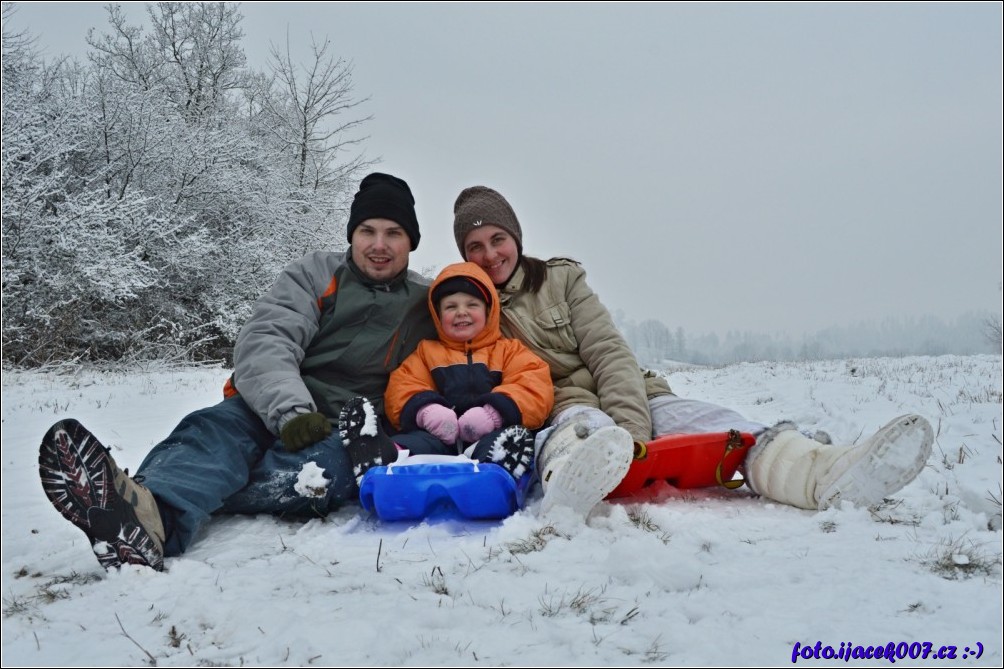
(421, 442)
(223, 458)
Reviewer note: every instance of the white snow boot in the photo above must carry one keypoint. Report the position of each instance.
(578, 468)
(788, 467)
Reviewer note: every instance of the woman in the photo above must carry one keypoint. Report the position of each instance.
(606, 407)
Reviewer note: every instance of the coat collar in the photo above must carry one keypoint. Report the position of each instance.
(512, 286)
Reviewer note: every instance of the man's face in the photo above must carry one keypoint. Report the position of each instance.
(380, 248)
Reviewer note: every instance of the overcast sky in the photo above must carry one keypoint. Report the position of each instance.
(741, 166)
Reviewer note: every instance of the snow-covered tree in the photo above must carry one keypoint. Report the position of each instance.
(306, 111)
(73, 259)
(192, 53)
(147, 199)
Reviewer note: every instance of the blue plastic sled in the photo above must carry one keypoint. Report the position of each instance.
(452, 487)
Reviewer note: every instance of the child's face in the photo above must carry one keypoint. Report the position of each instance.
(463, 316)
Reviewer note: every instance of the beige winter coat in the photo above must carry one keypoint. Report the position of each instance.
(566, 325)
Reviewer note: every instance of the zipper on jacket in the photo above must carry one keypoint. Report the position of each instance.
(470, 376)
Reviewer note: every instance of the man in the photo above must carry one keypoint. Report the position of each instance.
(332, 327)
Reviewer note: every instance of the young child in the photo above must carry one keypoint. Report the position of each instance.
(471, 391)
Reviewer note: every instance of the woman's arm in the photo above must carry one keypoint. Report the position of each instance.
(620, 385)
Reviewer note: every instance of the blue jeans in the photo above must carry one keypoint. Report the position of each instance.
(223, 458)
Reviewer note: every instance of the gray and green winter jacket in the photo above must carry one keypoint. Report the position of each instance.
(325, 333)
(591, 364)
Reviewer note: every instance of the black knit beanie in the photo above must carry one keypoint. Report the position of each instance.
(480, 205)
(460, 284)
(385, 196)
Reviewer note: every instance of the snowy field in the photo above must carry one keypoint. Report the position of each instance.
(705, 577)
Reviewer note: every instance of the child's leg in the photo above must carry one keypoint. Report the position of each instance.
(421, 442)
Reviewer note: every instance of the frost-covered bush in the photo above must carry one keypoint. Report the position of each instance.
(152, 194)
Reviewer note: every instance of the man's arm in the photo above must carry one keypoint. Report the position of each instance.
(272, 343)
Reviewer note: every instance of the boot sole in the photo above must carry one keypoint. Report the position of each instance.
(595, 468)
(353, 417)
(362, 436)
(79, 481)
(893, 461)
(512, 450)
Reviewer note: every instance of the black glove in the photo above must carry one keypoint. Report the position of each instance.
(304, 430)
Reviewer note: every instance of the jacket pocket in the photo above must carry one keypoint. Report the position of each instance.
(554, 325)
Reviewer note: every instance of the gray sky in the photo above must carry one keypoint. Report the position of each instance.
(740, 166)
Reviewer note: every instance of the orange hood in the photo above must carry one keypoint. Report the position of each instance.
(492, 330)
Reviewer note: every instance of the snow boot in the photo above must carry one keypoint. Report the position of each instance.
(788, 467)
(511, 449)
(366, 442)
(117, 514)
(579, 468)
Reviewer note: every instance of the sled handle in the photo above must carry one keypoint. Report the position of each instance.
(734, 442)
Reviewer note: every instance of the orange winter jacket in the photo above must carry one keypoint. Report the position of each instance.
(489, 369)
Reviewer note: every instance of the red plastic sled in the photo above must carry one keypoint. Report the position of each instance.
(688, 461)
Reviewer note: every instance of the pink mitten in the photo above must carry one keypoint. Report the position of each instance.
(438, 420)
(479, 421)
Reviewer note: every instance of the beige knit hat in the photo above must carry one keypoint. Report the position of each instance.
(480, 205)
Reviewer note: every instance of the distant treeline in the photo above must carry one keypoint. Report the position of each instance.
(654, 342)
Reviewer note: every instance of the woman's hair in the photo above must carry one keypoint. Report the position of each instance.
(535, 271)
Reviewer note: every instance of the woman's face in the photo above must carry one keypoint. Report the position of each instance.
(494, 250)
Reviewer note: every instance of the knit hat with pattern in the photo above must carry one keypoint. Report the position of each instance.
(480, 205)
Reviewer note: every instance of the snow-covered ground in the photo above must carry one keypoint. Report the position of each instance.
(705, 577)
